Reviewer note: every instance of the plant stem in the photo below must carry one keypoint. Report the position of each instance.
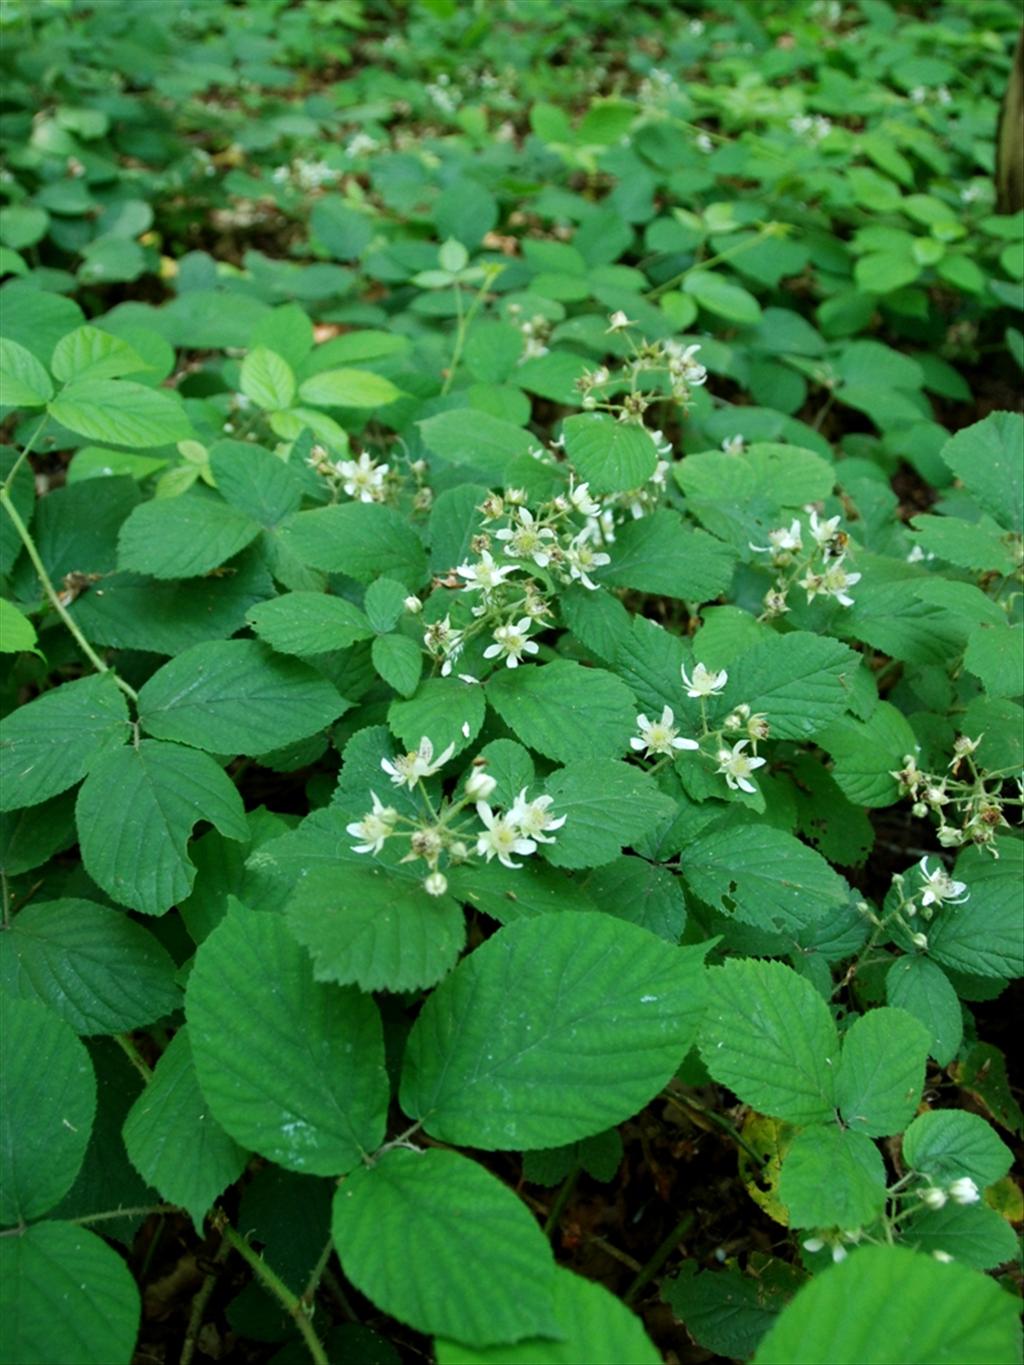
(726, 255)
(202, 1298)
(9, 481)
(293, 1305)
(139, 1211)
(558, 1207)
(55, 602)
(5, 893)
(134, 1056)
(661, 1255)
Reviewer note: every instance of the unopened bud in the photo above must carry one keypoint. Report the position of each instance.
(436, 884)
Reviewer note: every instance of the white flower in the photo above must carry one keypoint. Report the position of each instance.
(526, 541)
(933, 1197)
(408, 769)
(782, 540)
(436, 884)
(733, 445)
(704, 682)
(581, 557)
(479, 785)
(362, 478)
(501, 837)
(836, 580)
(963, 747)
(736, 767)
(618, 321)
(964, 1191)
(531, 818)
(660, 736)
(940, 886)
(373, 828)
(582, 501)
(822, 531)
(942, 1256)
(814, 1244)
(485, 575)
(682, 365)
(512, 641)
(704, 143)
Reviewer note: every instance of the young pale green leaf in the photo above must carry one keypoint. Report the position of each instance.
(66, 1295)
(987, 458)
(17, 633)
(373, 930)
(607, 804)
(47, 1105)
(237, 697)
(972, 1234)
(949, 1144)
(121, 412)
(890, 1306)
(173, 1140)
(50, 743)
(309, 623)
(361, 539)
(291, 1068)
(24, 383)
(985, 935)
(255, 482)
(919, 986)
(183, 537)
(399, 661)
(832, 1178)
(801, 682)
(88, 353)
(556, 1028)
(995, 654)
(95, 967)
(565, 711)
(446, 710)
(610, 456)
(267, 379)
(464, 436)
(881, 1072)
(769, 1036)
(661, 554)
(418, 1232)
(593, 1325)
(135, 813)
(348, 389)
(763, 876)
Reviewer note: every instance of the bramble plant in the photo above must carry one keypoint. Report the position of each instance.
(511, 760)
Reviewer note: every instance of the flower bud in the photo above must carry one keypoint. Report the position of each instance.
(942, 1256)
(964, 1191)
(413, 604)
(919, 940)
(933, 1197)
(436, 884)
(479, 785)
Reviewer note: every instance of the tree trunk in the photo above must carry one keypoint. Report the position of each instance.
(1010, 139)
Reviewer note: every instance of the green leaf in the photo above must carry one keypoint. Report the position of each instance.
(917, 985)
(440, 708)
(50, 744)
(948, 1144)
(865, 754)
(255, 482)
(48, 1093)
(881, 1071)
(236, 697)
(375, 931)
(343, 230)
(769, 1036)
(384, 603)
(348, 389)
(563, 710)
(419, 1231)
(995, 654)
(17, 633)
(763, 876)
(267, 379)
(399, 661)
(31, 836)
(642, 893)
(973, 1235)
(593, 1326)
(611, 456)
(832, 1177)
(556, 1028)
(465, 436)
(724, 1311)
(987, 458)
(968, 544)
(121, 412)
(294, 1072)
(66, 1296)
(720, 296)
(95, 967)
(183, 537)
(309, 623)
(883, 272)
(24, 383)
(88, 353)
(985, 935)
(361, 539)
(661, 554)
(800, 681)
(607, 804)
(135, 812)
(889, 1306)
(173, 1140)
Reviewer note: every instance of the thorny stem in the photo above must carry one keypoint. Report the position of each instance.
(139, 1211)
(44, 578)
(293, 1306)
(661, 1255)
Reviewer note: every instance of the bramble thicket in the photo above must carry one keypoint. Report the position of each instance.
(511, 549)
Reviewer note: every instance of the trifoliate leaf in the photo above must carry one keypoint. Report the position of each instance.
(832, 1177)
(607, 805)
(47, 1104)
(291, 1068)
(563, 710)
(418, 1231)
(50, 744)
(769, 1036)
(582, 1006)
(135, 813)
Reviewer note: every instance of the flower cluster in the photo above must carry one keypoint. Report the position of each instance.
(458, 830)
(625, 392)
(968, 801)
(816, 564)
